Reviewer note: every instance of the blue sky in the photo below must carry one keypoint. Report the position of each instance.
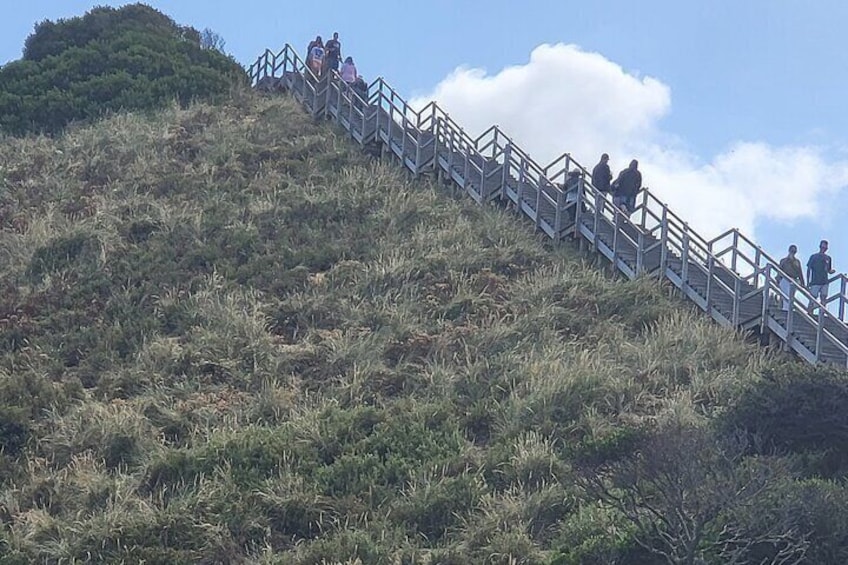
(707, 93)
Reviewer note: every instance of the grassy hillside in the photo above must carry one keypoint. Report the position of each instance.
(226, 336)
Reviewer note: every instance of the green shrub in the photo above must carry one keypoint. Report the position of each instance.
(432, 508)
(596, 535)
(63, 253)
(797, 410)
(24, 400)
(130, 58)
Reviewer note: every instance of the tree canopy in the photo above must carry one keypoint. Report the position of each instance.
(129, 58)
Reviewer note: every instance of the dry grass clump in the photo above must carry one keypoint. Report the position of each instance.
(227, 336)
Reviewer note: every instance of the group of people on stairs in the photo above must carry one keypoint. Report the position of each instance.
(324, 59)
(819, 269)
(819, 266)
(624, 189)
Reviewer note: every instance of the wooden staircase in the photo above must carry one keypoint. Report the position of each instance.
(729, 277)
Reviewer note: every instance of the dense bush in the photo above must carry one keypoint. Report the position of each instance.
(800, 411)
(109, 59)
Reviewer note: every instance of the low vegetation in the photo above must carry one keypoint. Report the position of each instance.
(226, 336)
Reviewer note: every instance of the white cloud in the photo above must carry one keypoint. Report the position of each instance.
(566, 99)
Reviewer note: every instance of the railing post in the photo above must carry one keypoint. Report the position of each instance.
(710, 275)
(684, 256)
(735, 250)
(819, 330)
(790, 317)
(338, 103)
(578, 208)
(664, 242)
(418, 134)
(403, 140)
(737, 291)
(465, 160)
(522, 176)
(617, 225)
(505, 173)
(640, 252)
(539, 189)
(437, 132)
(451, 152)
(764, 312)
(600, 200)
(558, 214)
(483, 162)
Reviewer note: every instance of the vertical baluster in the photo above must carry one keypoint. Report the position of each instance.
(600, 203)
(640, 252)
(507, 157)
(578, 208)
(538, 202)
(737, 304)
(617, 228)
(735, 250)
(558, 215)
(664, 242)
(790, 317)
(710, 275)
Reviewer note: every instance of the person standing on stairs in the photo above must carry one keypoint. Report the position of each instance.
(312, 44)
(626, 187)
(316, 58)
(790, 265)
(819, 269)
(348, 73)
(333, 50)
(360, 87)
(571, 187)
(601, 175)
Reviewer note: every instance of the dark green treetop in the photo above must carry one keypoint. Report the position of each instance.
(129, 58)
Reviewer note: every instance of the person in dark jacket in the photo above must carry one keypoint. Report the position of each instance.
(601, 175)
(626, 187)
(334, 54)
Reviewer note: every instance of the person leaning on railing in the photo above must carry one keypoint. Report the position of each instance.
(792, 267)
